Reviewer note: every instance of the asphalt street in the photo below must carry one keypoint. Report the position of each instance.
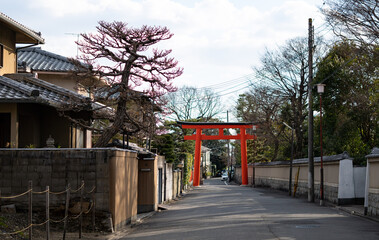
(219, 211)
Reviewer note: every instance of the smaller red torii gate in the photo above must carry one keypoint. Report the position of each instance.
(198, 137)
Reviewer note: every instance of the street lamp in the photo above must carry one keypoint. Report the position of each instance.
(320, 90)
(290, 178)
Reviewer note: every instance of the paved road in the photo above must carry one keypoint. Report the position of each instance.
(218, 211)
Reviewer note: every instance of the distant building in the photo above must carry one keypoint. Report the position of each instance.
(29, 106)
(50, 67)
(206, 163)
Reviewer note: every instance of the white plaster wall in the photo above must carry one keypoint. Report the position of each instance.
(359, 181)
(346, 180)
(161, 162)
(169, 177)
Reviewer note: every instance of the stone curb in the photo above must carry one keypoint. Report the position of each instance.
(355, 213)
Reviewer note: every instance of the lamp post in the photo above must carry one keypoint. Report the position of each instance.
(290, 178)
(320, 90)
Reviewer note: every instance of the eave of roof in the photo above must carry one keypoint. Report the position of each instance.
(23, 34)
(24, 88)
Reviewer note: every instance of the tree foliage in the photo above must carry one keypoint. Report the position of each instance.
(356, 19)
(123, 56)
(350, 121)
(188, 165)
(165, 145)
(262, 105)
(285, 73)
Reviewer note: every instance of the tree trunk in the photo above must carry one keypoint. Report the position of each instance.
(117, 125)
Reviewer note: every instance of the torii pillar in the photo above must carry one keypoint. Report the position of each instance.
(198, 137)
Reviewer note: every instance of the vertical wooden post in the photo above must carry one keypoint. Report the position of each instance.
(30, 214)
(81, 210)
(47, 213)
(196, 179)
(66, 210)
(244, 170)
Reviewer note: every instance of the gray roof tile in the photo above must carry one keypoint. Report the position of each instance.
(330, 158)
(41, 60)
(374, 153)
(24, 88)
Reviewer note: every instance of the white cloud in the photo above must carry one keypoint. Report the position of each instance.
(70, 8)
(215, 40)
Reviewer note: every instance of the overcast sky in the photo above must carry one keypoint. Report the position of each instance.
(215, 41)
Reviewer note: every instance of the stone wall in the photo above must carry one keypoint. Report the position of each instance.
(113, 173)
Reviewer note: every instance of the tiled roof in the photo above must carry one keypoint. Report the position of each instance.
(330, 158)
(23, 34)
(374, 153)
(27, 89)
(41, 60)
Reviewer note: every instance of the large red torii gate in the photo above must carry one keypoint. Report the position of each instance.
(198, 136)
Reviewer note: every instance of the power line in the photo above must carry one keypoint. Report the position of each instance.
(227, 83)
(219, 95)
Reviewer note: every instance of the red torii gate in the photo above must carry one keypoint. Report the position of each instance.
(220, 126)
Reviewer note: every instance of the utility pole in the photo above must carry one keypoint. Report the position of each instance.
(311, 187)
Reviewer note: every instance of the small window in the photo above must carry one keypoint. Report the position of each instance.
(1, 55)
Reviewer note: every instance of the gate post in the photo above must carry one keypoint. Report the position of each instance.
(244, 170)
(196, 179)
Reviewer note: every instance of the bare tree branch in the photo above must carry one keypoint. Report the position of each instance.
(358, 19)
(120, 56)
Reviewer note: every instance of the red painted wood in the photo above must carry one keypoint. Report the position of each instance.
(215, 126)
(217, 137)
(196, 179)
(244, 170)
(198, 137)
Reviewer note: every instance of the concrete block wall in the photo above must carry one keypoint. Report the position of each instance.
(57, 168)
(54, 168)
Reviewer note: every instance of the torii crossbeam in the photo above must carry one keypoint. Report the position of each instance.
(198, 136)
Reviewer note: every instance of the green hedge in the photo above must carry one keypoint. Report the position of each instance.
(187, 158)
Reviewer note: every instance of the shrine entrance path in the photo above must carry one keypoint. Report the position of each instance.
(218, 211)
